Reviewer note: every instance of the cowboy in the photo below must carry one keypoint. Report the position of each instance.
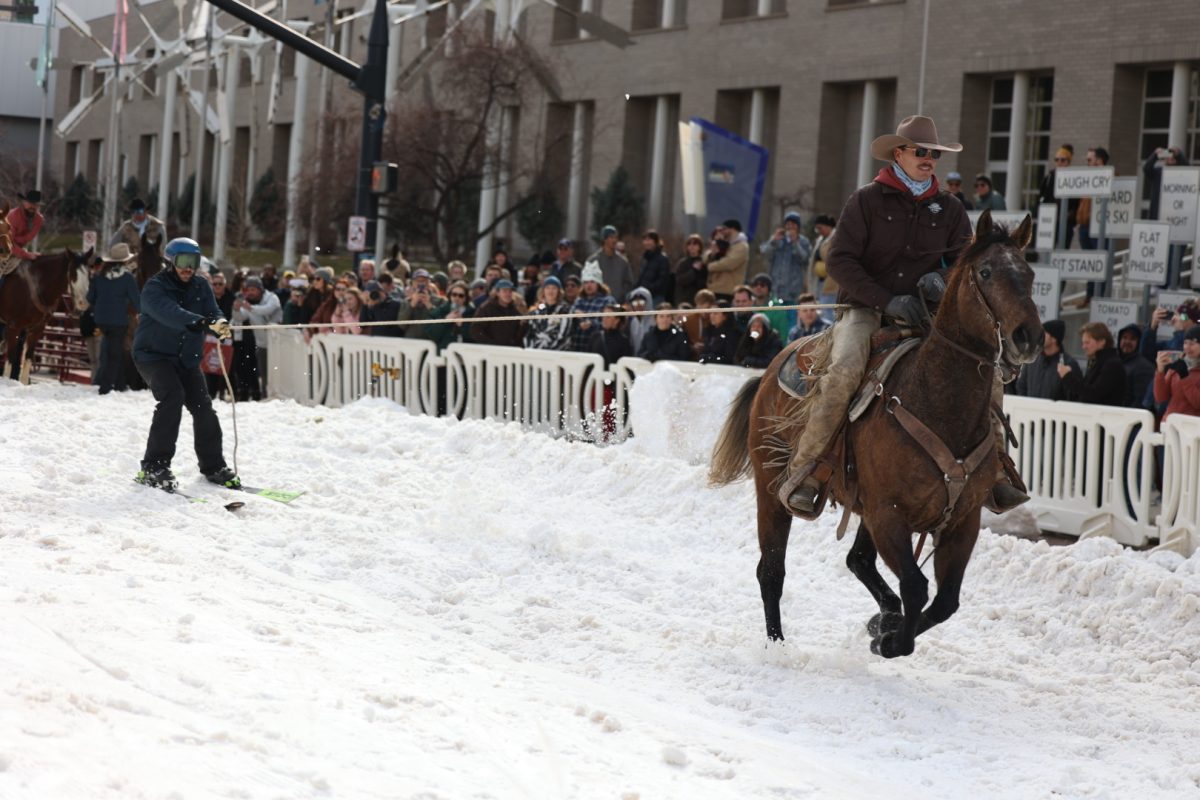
(25, 221)
(178, 309)
(110, 296)
(892, 233)
(138, 225)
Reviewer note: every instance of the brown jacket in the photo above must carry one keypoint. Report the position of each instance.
(886, 240)
(497, 333)
(728, 272)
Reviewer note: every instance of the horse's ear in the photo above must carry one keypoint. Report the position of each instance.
(1023, 235)
(983, 228)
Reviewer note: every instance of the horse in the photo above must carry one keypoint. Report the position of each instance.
(6, 242)
(986, 322)
(30, 294)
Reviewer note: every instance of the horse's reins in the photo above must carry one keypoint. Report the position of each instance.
(1007, 372)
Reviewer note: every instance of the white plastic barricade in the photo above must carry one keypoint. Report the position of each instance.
(347, 367)
(1089, 468)
(288, 365)
(549, 390)
(1179, 520)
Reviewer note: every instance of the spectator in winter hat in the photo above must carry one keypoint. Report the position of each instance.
(986, 197)
(255, 306)
(505, 333)
(787, 252)
(954, 187)
(761, 287)
(656, 274)
(614, 269)
(550, 333)
(564, 263)
(1177, 379)
(479, 292)
(571, 289)
(759, 344)
(593, 297)
(1139, 370)
(1040, 378)
(640, 299)
(382, 306)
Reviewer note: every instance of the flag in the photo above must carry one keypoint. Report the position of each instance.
(119, 31)
(43, 63)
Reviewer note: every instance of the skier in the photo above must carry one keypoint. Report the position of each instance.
(177, 309)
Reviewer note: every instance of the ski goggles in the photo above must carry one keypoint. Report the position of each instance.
(187, 261)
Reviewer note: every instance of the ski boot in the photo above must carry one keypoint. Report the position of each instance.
(157, 475)
(224, 477)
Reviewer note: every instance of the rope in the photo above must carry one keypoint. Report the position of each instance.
(526, 317)
(232, 402)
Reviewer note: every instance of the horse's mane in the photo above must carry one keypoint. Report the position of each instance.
(997, 235)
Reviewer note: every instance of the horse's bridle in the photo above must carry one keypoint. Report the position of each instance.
(1007, 371)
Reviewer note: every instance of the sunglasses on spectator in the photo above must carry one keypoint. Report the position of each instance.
(458, 294)
(925, 152)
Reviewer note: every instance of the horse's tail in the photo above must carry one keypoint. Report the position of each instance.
(731, 455)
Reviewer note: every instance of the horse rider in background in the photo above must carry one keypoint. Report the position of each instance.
(25, 220)
(894, 237)
(139, 224)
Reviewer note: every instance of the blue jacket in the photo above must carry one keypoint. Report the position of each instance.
(110, 295)
(168, 307)
(788, 266)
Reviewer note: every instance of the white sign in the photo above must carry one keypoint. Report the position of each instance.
(89, 240)
(1080, 265)
(356, 235)
(1149, 251)
(1177, 202)
(1082, 181)
(1116, 314)
(1047, 224)
(1046, 287)
(1121, 212)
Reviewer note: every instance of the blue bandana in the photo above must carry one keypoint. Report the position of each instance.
(917, 188)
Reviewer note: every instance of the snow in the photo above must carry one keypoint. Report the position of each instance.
(465, 610)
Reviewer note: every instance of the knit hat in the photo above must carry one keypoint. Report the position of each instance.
(793, 216)
(1056, 329)
(825, 219)
(732, 223)
(607, 231)
(572, 278)
(954, 176)
(252, 282)
(503, 283)
(325, 274)
(552, 281)
(592, 272)
(1193, 334)
(762, 277)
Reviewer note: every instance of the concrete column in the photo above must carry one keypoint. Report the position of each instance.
(395, 43)
(586, 7)
(758, 106)
(295, 152)
(508, 119)
(658, 160)
(229, 67)
(167, 141)
(487, 197)
(870, 115)
(763, 8)
(575, 187)
(1177, 133)
(201, 135)
(1015, 185)
(669, 13)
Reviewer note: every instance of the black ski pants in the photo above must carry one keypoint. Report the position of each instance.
(175, 387)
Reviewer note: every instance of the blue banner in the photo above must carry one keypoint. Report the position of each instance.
(735, 176)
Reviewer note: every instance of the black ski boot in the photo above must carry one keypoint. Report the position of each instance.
(157, 475)
(224, 477)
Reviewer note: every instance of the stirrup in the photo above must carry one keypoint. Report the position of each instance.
(1004, 497)
(800, 492)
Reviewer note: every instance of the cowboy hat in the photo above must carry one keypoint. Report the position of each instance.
(118, 254)
(32, 196)
(912, 131)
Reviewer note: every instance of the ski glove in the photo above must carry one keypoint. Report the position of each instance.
(906, 310)
(220, 327)
(932, 286)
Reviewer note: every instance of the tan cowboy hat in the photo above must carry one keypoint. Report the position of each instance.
(911, 132)
(118, 254)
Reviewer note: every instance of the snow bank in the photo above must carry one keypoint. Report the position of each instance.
(462, 609)
(675, 417)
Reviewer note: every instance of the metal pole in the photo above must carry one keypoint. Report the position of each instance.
(371, 84)
(295, 148)
(1100, 236)
(924, 55)
(323, 98)
(202, 132)
(225, 173)
(170, 90)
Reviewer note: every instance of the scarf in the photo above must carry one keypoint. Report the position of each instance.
(916, 188)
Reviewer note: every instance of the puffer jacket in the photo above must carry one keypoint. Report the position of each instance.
(168, 306)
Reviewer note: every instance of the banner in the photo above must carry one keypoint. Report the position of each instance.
(735, 176)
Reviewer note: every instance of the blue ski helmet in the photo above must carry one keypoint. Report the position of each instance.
(183, 254)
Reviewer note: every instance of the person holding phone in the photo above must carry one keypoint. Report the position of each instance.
(1177, 377)
(1041, 378)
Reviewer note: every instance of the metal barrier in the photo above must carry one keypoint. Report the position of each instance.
(1089, 468)
(1179, 520)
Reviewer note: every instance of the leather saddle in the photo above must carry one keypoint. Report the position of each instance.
(888, 345)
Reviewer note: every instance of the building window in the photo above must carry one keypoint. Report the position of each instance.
(566, 24)
(76, 91)
(1036, 153)
(1156, 114)
(71, 162)
(748, 9)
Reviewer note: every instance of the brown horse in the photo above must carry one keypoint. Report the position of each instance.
(986, 321)
(6, 242)
(149, 261)
(30, 294)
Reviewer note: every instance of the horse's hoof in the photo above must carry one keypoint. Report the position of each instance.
(890, 646)
(884, 623)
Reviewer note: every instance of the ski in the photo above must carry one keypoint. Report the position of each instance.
(234, 506)
(278, 495)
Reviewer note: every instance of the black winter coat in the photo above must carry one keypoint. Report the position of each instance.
(668, 345)
(1104, 383)
(169, 306)
(720, 343)
(656, 276)
(758, 353)
(612, 345)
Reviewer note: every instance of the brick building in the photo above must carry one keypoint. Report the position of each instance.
(812, 80)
